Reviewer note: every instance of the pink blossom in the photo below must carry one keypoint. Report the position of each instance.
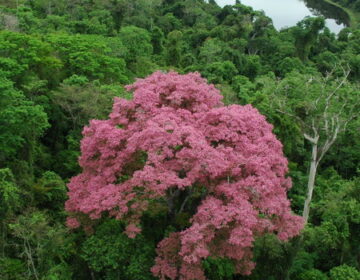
(175, 134)
(132, 230)
(72, 222)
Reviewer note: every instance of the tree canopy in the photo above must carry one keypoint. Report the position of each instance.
(173, 142)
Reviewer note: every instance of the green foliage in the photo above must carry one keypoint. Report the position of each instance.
(10, 194)
(83, 101)
(50, 191)
(326, 61)
(219, 269)
(268, 252)
(212, 51)
(23, 57)
(44, 246)
(111, 253)
(306, 97)
(290, 64)
(348, 144)
(338, 209)
(89, 56)
(12, 269)
(157, 40)
(306, 33)
(251, 66)
(169, 22)
(174, 48)
(303, 266)
(137, 41)
(244, 88)
(219, 72)
(313, 274)
(28, 22)
(344, 272)
(60, 271)
(21, 122)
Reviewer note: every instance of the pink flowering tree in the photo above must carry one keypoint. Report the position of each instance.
(176, 144)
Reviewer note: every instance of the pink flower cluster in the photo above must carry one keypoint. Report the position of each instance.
(176, 134)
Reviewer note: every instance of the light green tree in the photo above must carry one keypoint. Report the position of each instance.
(322, 107)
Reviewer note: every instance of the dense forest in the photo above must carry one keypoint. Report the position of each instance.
(62, 62)
(352, 4)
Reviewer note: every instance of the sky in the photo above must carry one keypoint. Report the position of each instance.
(225, 2)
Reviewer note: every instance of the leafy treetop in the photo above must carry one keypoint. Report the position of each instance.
(175, 141)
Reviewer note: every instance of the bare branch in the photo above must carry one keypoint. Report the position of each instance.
(344, 79)
(313, 127)
(313, 140)
(184, 202)
(327, 145)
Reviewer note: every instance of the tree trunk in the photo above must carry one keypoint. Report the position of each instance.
(29, 254)
(3, 241)
(311, 182)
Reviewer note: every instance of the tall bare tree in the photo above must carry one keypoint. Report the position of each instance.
(323, 107)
